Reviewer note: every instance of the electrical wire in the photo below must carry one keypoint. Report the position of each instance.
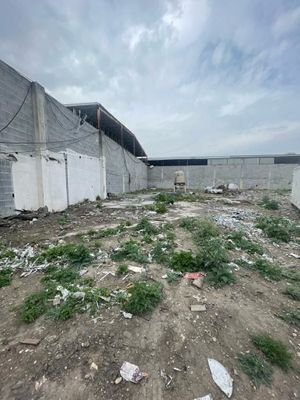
(19, 109)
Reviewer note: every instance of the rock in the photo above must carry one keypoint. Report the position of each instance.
(221, 376)
(198, 282)
(94, 366)
(207, 397)
(30, 341)
(118, 380)
(198, 307)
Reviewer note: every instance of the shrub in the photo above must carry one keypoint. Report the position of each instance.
(147, 227)
(212, 254)
(122, 269)
(130, 250)
(183, 261)
(258, 370)
(293, 292)
(292, 317)
(275, 351)
(220, 277)
(269, 204)
(74, 254)
(34, 306)
(144, 297)
(267, 269)
(278, 228)
(160, 208)
(238, 237)
(165, 198)
(5, 276)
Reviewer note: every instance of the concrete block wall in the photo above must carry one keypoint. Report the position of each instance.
(62, 124)
(295, 197)
(7, 205)
(247, 172)
(124, 172)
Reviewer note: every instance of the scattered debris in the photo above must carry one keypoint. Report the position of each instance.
(94, 366)
(198, 282)
(167, 378)
(30, 341)
(135, 269)
(213, 190)
(118, 380)
(39, 384)
(131, 373)
(221, 376)
(295, 255)
(207, 397)
(194, 275)
(198, 307)
(126, 314)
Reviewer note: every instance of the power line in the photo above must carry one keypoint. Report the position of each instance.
(19, 109)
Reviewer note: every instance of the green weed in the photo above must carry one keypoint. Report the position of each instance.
(165, 198)
(278, 228)
(130, 250)
(74, 254)
(162, 251)
(219, 277)
(258, 370)
(291, 274)
(269, 204)
(291, 316)
(173, 277)
(275, 350)
(61, 276)
(122, 269)
(143, 297)
(63, 220)
(34, 306)
(5, 276)
(201, 229)
(293, 292)
(183, 261)
(147, 227)
(160, 208)
(212, 254)
(239, 240)
(267, 269)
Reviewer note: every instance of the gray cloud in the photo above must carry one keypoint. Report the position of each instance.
(189, 77)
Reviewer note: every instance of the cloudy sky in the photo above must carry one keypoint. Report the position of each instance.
(188, 77)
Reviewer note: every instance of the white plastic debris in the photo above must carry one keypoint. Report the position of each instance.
(233, 187)
(221, 376)
(126, 314)
(131, 372)
(64, 292)
(94, 366)
(207, 397)
(78, 295)
(136, 269)
(295, 255)
(56, 300)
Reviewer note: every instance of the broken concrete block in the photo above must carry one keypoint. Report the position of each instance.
(198, 307)
(198, 282)
(221, 376)
(31, 341)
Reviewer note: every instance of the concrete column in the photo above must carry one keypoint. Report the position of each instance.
(40, 135)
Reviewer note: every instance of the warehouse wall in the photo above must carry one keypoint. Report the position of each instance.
(124, 172)
(255, 172)
(296, 188)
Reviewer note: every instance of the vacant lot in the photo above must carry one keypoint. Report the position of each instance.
(66, 278)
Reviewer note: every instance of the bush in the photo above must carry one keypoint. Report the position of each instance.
(269, 204)
(275, 351)
(267, 269)
(130, 250)
(144, 297)
(147, 227)
(219, 277)
(122, 269)
(202, 229)
(293, 292)
(238, 237)
(160, 208)
(278, 228)
(34, 306)
(5, 276)
(165, 198)
(258, 370)
(74, 254)
(183, 261)
(292, 317)
(211, 255)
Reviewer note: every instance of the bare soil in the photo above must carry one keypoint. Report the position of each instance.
(59, 367)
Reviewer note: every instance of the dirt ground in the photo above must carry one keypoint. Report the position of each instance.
(59, 367)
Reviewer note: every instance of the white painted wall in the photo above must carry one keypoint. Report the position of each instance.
(54, 181)
(84, 177)
(295, 198)
(24, 178)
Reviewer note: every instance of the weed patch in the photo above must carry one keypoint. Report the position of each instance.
(108, 232)
(183, 261)
(274, 350)
(258, 370)
(166, 198)
(292, 317)
(293, 292)
(74, 254)
(146, 227)
(269, 204)
(173, 277)
(267, 269)
(122, 269)
(202, 229)
(5, 276)
(212, 254)
(238, 239)
(278, 228)
(219, 277)
(143, 297)
(130, 250)
(34, 306)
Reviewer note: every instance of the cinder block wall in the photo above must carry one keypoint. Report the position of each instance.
(295, 198)
(124, 172)
(247, 173)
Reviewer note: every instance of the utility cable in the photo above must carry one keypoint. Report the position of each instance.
(19, 109)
